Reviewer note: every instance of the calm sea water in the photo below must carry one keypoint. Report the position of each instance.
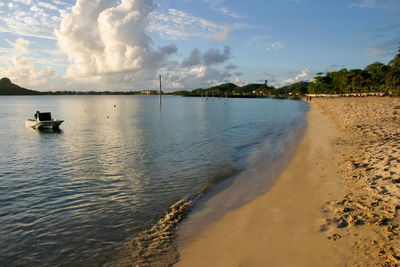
(74, 197)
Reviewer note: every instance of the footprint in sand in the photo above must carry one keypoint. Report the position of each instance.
(334, 237)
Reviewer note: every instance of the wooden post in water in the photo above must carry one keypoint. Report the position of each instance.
(159, 92)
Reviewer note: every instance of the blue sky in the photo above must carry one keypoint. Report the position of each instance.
(124, 45)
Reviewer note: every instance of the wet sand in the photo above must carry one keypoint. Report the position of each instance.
(336, 203)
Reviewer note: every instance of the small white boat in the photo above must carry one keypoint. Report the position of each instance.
(43, 120)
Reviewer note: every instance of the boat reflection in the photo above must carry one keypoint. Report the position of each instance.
(47, 130)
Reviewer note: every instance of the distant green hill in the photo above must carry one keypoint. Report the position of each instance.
(299, 88)
(232, 90)
(251, 87)
(223, 87)
(8, 88)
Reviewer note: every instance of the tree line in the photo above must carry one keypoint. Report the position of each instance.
(376, 77)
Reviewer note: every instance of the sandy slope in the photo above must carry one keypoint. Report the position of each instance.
(286, 226)
(367, 217)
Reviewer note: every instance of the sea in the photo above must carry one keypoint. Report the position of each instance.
(119, 164)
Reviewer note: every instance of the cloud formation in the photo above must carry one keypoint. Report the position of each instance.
(32, 17)
(200, 76)
(218, 6)
(20, 45)
(305, 75)
(262, 43)
(103, 37)
(194, 59)
(382, 50)
(179, 25)
(21, 69)
(385, 4)
(222, 36)
(110, 46)
(212, 56)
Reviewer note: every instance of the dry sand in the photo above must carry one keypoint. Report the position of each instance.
(367, 217)
(336, 204)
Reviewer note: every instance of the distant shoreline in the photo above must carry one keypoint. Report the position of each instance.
(139, 94)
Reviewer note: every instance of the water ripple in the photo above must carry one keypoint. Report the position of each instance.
(76, 196)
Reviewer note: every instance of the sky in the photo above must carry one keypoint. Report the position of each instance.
(123, 45)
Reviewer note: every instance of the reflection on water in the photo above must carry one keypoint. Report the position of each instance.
(75, 196)
(48, 131)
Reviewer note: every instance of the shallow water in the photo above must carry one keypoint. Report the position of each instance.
(75, 196)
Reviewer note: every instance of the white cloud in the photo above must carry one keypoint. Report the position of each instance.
(108, 43)
(227, 12)
(53, 52)
(179, 25)
(47, 5)
(21, 69)
(274, 46)
(103, 37)
(32, 18)
(196, 77)
(305, 75)
(108, 46)
(223, 10)
(239, 82)
(385, 4)
(21, 46)
(26, 2)
(261, 43)
(222, 36)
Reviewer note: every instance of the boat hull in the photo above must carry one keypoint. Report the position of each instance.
(53, 124)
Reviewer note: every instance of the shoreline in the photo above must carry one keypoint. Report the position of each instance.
(281, 227)
(256, 179)
(337, 203)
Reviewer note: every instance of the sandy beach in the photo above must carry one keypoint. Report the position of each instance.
(335, 204)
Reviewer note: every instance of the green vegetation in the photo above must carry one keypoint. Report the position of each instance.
(8, 88)
(232, 90)
(376, 77)
(299, 88)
